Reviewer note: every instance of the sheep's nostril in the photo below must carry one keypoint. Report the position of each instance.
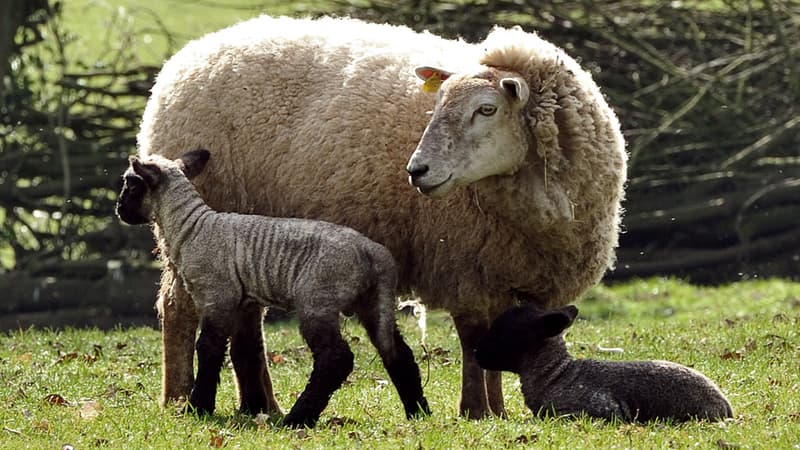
(417, 171)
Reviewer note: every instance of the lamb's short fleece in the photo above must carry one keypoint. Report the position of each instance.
(233, 265)
(527, 340)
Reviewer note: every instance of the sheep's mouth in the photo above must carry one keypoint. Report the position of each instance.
(437, 189)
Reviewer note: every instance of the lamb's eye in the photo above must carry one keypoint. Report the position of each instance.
(486, 109)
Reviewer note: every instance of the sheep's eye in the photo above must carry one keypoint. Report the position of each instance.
(486, 109)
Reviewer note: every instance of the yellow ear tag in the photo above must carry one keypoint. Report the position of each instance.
(433, 83)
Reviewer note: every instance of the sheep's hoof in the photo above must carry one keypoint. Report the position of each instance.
(255, 408)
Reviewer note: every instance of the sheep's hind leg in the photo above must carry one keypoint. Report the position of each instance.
(333, 361)
(178, 329)
(398, 359)
(249, 363)
(211, 347)
(475, 403)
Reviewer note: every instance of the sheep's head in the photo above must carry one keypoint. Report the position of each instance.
(145, 176)
(477, 129)
(519, 331)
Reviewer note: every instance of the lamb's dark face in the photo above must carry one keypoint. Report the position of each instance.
(144, 177)
(133, 206)
(130, 205)
(519, 331)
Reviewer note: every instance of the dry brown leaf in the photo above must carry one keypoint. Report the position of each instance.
(217, 439)
(725, 445)
(523, 439)
(301, 434)
(41, 425)
(90, 410)
(24, 358)
(734, 355)
(66, 357)
(262, 421)
(56, 399)
(276, 358)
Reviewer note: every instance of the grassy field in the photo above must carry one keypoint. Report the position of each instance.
(91, 389)
(136, 28)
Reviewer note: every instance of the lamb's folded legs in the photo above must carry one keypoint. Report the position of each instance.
(481, 392)
(333, 361)
(249, 362)
(179, 322)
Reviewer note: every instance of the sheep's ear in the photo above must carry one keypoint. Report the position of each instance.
(516, 88)
(192, 163)
(552, 323)
(432, 77)
(150, 173)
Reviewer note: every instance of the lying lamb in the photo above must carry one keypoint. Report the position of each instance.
(527, 340)
(234, 265)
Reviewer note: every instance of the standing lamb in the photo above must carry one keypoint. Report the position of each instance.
(233, 265)
(528, 341)
(318, 118)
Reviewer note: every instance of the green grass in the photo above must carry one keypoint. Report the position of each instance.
(135, 28)
(744, 336)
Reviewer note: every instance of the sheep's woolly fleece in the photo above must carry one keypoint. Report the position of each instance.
(317, 119)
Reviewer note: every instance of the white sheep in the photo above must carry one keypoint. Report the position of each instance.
(233, 265)
(318, 118)
(527, 340)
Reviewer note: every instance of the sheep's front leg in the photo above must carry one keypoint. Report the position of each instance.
(249, 362)
(476, 385)
(211, 347)
(333, 361)
(178, 329)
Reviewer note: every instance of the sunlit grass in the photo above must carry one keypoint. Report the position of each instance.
(137, 28)
(744, 336)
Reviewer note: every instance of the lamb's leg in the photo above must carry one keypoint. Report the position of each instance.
(211, 347)
(474, 393)
(249, 362)
(178, 329)
(378, 319)
(333, 361)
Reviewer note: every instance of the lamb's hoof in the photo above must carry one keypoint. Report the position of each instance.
(198, 408)
(421, 411)
(198, 411)
(295, 421)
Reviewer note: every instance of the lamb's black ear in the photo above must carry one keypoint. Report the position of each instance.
(554, 322)
(150, 173)
(192, 163)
